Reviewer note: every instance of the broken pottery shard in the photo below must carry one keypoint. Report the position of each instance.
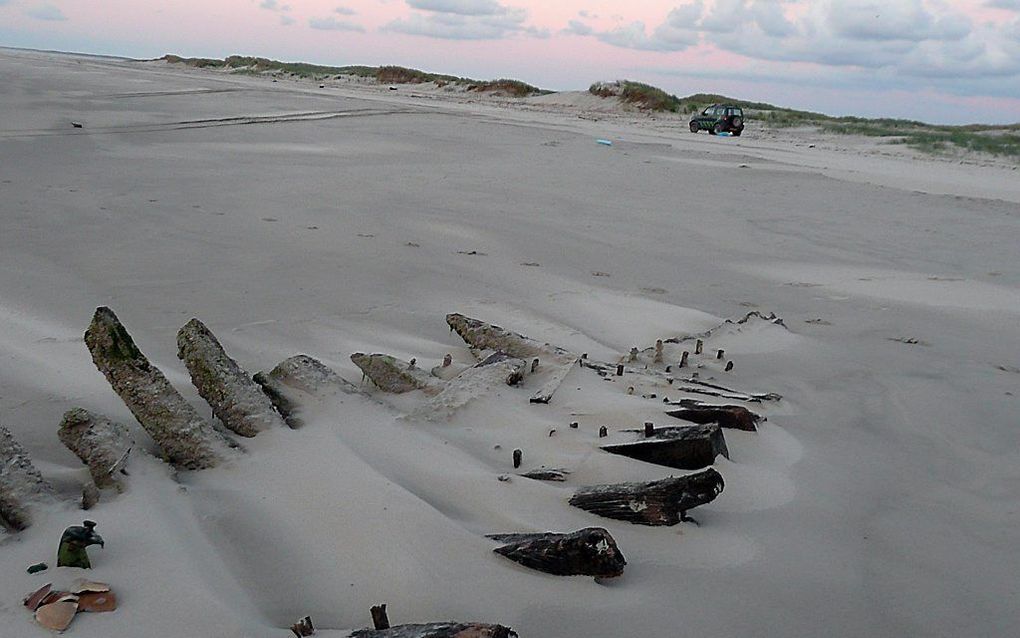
(34, 600)
(485, 378)
(392, 375)
(21, 485)
(97, 602)
(547, 474)
(235, 399)
(439, 630)
(663, 502)
(685, 447)
(186, 439)
(57, 616)
(84, 585)
(588, 552)
(100, 443)
(311, 376)
(736, 417)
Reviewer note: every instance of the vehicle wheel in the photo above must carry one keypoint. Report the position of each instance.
(737, 123)
(714, 130)
(694, 127)
(736, 132)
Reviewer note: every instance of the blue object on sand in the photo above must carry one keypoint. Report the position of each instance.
(604, 142)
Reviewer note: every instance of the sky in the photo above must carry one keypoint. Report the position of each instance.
(945, 61)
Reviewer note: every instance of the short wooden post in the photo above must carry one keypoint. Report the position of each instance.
(719, 355)
(379, 617)
(619, 370)
(649, 429)
(729, 366)
(534, 366)
(603, 432)
(699, 346)
(683, 359)
(517, 458)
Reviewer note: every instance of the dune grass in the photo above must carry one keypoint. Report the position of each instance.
(389, 74)
(643, 96)
(510, 88)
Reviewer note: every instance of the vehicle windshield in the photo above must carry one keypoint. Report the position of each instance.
(710, 111)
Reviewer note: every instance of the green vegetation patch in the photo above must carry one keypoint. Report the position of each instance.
(510, 88)
(383, 74)
(643, 96)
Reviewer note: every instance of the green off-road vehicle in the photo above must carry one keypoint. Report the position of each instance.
(719, 118)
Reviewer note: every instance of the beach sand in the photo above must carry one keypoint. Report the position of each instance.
(880, 498)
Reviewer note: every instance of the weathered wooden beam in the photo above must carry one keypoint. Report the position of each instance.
(483, 336)
(547, 474)
(21, 485)
(735, 417)
(663, 502)
(390, 374)
(311, 376)
(554, 381)
(588, 552)
(235, 399)
(686, 447)
(186, 439)
(439, 630)
(281, 397)
(101, 444)
(484, 378)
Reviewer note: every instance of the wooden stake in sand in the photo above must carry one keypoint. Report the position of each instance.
(699, 346)
(379, 618)
(518, 454)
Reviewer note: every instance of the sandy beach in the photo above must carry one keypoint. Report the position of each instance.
(879, 498)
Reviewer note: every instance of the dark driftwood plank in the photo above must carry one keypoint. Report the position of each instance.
(663, 502)
(439, 630)
(686, 447)
(588, 552)
(735, 417)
